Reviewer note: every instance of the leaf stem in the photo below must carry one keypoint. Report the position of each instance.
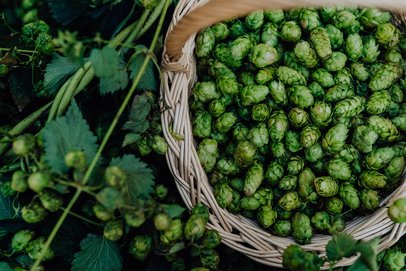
(105, 140)
(19, 50)
(81, 217)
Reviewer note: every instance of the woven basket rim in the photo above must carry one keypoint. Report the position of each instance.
(238, 232)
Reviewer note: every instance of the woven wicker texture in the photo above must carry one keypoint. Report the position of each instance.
(179, 75)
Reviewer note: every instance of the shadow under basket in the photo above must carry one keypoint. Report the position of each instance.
(238, 232)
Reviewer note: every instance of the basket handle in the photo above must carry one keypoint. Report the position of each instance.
(219, 10)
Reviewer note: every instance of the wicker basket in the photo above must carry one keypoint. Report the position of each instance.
(179, 75)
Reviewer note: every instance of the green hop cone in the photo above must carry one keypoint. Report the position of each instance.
(162, 221)
(309, 136)
(350, 107)
(334, 139)
(298, 117)
(236, 29)
(394, 260)
(321, 113)
(290, 31)
(306, 54)
(266, 216)
(354, 46)
(253, 179)
(50, 200)
(381, 157)
(205, 42)
(76, 160)
(135, 218)
(277, 125)
(159, 145)
(387, 35)
(254, 20)
(143, 146)
(263, 55)
(323, 77)
(334, 205)
(314, 153)
(396, 93)
(336, 226)
(290, 76)
(321, 220)
(397, 211)
(258, 135)
(33, 213)
(288, 182)
(346, 21)
(19, 181)
(394, 169)
(102, 213)
(282, 228)
(35, 247)
(115, 176)
(24, 144)
(161, 191)
(316, 90)
(335, 35)
(306, 188)
(278, 92)
(223, 194)
(302, 230)
(201, 210)
(227, 84)
(210, 259)
(202, 124)
(371, 50)
(386, 130)
(195, 227)
(211, 239)
(373, 179)
(274, 15)
(207, 152)
(301, 96)
(274, 173)
(225, 122)
(260, 112)
(173, 233)
(113, 230)
(364, 138)
(289, 201)
(373, 17)
(220, 31)
(218, 69)
(338, 169)
(240, 132)
(336, 62)
(280, 153)
(141, 246)
(265, 75)
(320, 41)
(369, 199)
(359, 71)
(385, 77)
(292, 141)
(44, 43)
(326, 186)
(349, 194)
(394, 55)
(227, 166)
(245, 153)
(253, 94)
(269, 34)
(343, 77)
(309, 19)
(295, 165)
(205, 91)
(378, 102)
(21, 239)
(296, 258)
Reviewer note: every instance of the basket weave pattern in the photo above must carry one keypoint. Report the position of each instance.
(238, 232)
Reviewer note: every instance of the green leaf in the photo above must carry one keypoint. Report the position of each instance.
(97, 254)
(20, 84)
(24, 261)
(149, 79)
(58, 71)
(173, 210)
(66, 11)
(5, 267)
(105, 61)
(176, 247)
(115, 83)
(6, 208)
(131, 138)
(139, 178)
(68, 133)
(341, 245)
(368, 253)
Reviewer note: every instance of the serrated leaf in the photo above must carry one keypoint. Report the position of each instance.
(6, 208)
(97, 254)
(66, 11)
(20, 84)
(139, 178)
(58, 71)
(105, 61)
(115, 83)
(24, 261)
(341, 245)
(5, 267)
(149, 79)
(68, 133)
(368, 253)
(173, 210)
(131, 138)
